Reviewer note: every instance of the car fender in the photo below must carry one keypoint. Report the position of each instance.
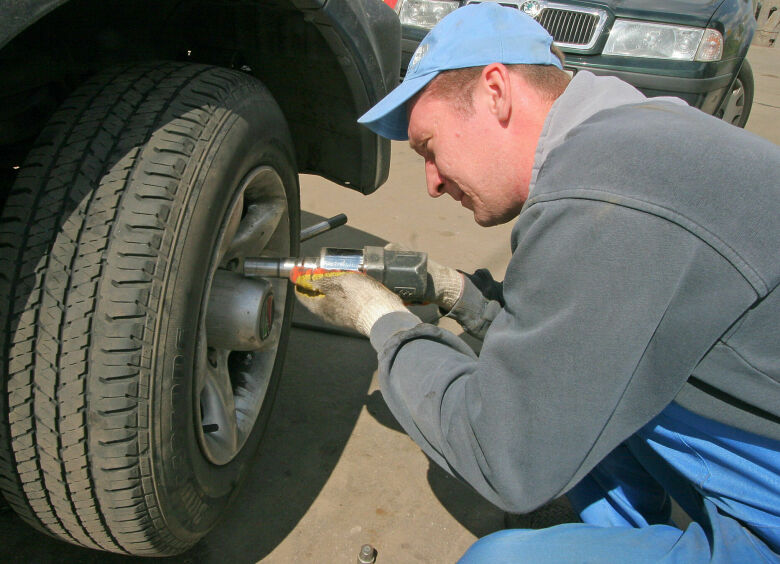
(21, 14)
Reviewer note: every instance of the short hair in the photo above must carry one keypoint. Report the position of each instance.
(458, 84)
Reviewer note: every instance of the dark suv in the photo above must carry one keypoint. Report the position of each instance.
(692, 49)
(146, 149)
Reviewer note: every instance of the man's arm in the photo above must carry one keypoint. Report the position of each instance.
(607, 310)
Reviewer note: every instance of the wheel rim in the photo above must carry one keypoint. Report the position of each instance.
(735, 105)
(232, 374)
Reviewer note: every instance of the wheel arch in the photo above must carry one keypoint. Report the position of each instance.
(737, 22)
(325, 64)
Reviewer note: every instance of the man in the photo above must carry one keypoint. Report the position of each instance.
(632, 351)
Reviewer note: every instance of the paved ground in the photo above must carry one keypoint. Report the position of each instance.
(337, 471)
(765, 116)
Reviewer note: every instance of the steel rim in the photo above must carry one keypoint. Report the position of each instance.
(231, 386)
(735, 105)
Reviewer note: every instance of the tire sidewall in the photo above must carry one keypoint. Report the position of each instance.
(748, 84)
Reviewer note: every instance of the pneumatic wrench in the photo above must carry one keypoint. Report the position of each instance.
(403, 272)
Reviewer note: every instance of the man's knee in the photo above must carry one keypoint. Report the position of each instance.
(579, 542)
(526, 545)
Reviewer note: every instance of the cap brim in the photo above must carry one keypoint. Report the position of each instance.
(388, 118)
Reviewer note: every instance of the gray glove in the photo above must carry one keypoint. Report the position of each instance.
(346, 299)
(445, 284)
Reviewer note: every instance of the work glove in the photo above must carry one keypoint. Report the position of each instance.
(347, 299)
(445, 284)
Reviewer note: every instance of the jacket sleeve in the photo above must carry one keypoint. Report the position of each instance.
(607, 310)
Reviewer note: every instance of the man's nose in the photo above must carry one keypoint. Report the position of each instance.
(434, 179)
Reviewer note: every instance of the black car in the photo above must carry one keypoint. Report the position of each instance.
(692, 49)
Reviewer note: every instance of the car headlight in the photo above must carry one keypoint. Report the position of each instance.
(663, 41)
(424, 13)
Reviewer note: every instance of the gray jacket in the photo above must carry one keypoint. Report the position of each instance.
(644, 271)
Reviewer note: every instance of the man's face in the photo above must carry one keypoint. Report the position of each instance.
(466, 157)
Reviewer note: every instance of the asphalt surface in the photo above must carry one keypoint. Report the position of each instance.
(336, 471)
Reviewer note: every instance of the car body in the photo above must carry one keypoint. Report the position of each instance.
(324, 62)
(624, 38)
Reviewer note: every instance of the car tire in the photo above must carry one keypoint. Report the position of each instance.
(736, 107)
(132, 404)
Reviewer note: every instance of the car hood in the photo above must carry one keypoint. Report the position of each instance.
(696, 12)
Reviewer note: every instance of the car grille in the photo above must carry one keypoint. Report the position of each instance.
(572, 27)
(569, 27)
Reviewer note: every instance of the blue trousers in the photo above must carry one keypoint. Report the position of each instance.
(726, 480)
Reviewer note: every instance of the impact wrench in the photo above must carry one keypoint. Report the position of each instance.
(403, 272)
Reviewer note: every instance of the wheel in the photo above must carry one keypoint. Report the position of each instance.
(735, 108)
(138, 369)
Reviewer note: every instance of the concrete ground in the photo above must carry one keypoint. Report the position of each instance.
(336, 470)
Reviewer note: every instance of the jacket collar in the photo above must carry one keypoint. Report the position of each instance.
(585, 96)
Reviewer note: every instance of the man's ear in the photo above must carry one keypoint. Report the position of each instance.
(497, 89)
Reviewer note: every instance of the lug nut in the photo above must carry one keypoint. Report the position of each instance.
(367, 554)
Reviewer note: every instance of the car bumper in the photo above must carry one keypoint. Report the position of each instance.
(701, 85)
(703, 92)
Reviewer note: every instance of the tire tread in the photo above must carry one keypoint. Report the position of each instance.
(82, 254)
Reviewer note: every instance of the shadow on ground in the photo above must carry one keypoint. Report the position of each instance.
(315, 412)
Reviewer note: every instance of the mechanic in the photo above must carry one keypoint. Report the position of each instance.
(632, 352)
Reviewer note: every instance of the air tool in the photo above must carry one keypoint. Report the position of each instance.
(403, 272)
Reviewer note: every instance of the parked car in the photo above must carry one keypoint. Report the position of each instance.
(146, 149)
(692, 49)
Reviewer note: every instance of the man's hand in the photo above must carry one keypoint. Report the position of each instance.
(346, 299)
(445, 284)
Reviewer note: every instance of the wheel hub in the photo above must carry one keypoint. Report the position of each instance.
(240, 312)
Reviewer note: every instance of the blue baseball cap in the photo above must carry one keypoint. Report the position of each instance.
(472, 36)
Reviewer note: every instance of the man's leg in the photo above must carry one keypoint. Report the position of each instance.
(619, 492)
(579, 542)
(711, 470)
(617, 501)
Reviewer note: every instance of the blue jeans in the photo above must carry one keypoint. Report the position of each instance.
(726, 480)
